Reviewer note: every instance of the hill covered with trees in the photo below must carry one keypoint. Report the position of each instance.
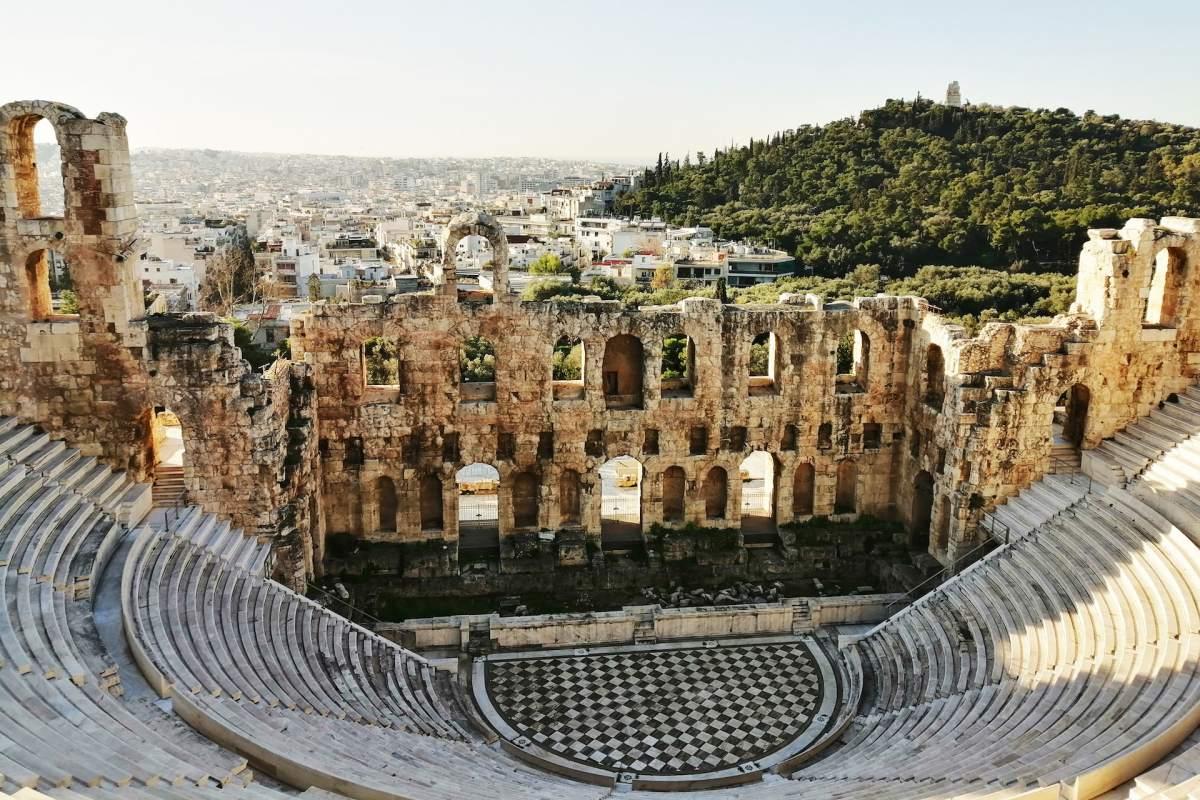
(916, 183)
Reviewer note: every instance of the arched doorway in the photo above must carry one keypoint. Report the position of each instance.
(846, 496)
(622, 372)
(757, 474)
(431, 503)
(525, 500)
(385, 499)
(166, 431)
(1070, 416)
(674, 486)
(716, 493)
(568, 497)
(803, 489)
(921, 512)
(621, 504)
(478, 512)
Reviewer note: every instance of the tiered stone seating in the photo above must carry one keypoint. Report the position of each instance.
(1171, 425)
(1036, 505)
(61, 724)
(273, 675)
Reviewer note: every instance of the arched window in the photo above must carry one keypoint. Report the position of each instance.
(764, 364)
(1166, 284)
(37, 167)
(846, 497)
(678, 367)
(48, 281)
(716, 493)
(674, 484)
(862, 358)
(803, 487)
(622, 372)
(525, 500)
(568, 497)
(935, 377)
(566, 369)
(385, 495)
(381, 362)
(477, 370)
(788, 441)
(431, 503)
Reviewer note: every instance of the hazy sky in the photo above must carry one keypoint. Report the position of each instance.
(601, 79)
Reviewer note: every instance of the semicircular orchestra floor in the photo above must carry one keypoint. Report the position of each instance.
(689, 709)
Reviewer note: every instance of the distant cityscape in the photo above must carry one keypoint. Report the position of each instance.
(352, 229)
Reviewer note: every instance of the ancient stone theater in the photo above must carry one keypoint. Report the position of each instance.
(174, 651)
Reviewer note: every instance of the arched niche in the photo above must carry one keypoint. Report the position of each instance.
(674, 486)
(716, 493)
(622, 372)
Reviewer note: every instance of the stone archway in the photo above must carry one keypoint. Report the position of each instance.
(475, 223)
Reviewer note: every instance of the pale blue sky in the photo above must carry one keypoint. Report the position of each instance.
(602, 79)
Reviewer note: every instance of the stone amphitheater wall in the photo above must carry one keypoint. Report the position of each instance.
(937, 425)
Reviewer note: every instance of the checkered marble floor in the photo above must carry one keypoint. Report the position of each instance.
(661, 712)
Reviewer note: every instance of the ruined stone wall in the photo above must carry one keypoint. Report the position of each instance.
(249, 437)
(992, 435)
(77, 375)
(431, 422)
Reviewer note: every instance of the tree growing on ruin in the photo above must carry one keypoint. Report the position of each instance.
(382, 362)
(477, 360)
(567, 362)
(229, 277)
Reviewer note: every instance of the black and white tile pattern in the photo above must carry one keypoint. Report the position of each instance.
(679, 711)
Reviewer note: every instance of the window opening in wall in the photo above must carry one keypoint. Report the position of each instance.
(354, 452)
(698, 441)
(788, 442)
(622, 372)
(477, 370)
(872, 436)
(566, 368)
(1166, 285)
(825, 436)
(678, 365)
(51, 292)
(935, 377)
(650, 442)
(381, 362)
(764, 364)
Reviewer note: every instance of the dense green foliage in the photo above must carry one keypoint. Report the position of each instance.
(567, 362)
(383, 362)
(970, 295)
(477, 360)
(243, 337)
(547, 264)
(605, 289)
(917, 183)
(674, 357)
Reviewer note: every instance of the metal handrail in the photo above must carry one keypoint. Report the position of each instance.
(353, 608)
(911, 594)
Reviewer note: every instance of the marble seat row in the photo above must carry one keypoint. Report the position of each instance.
(277, 677)
(60, 723)
(209, 625)
(1046, 660)
(1141, 443)
(111, 490)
